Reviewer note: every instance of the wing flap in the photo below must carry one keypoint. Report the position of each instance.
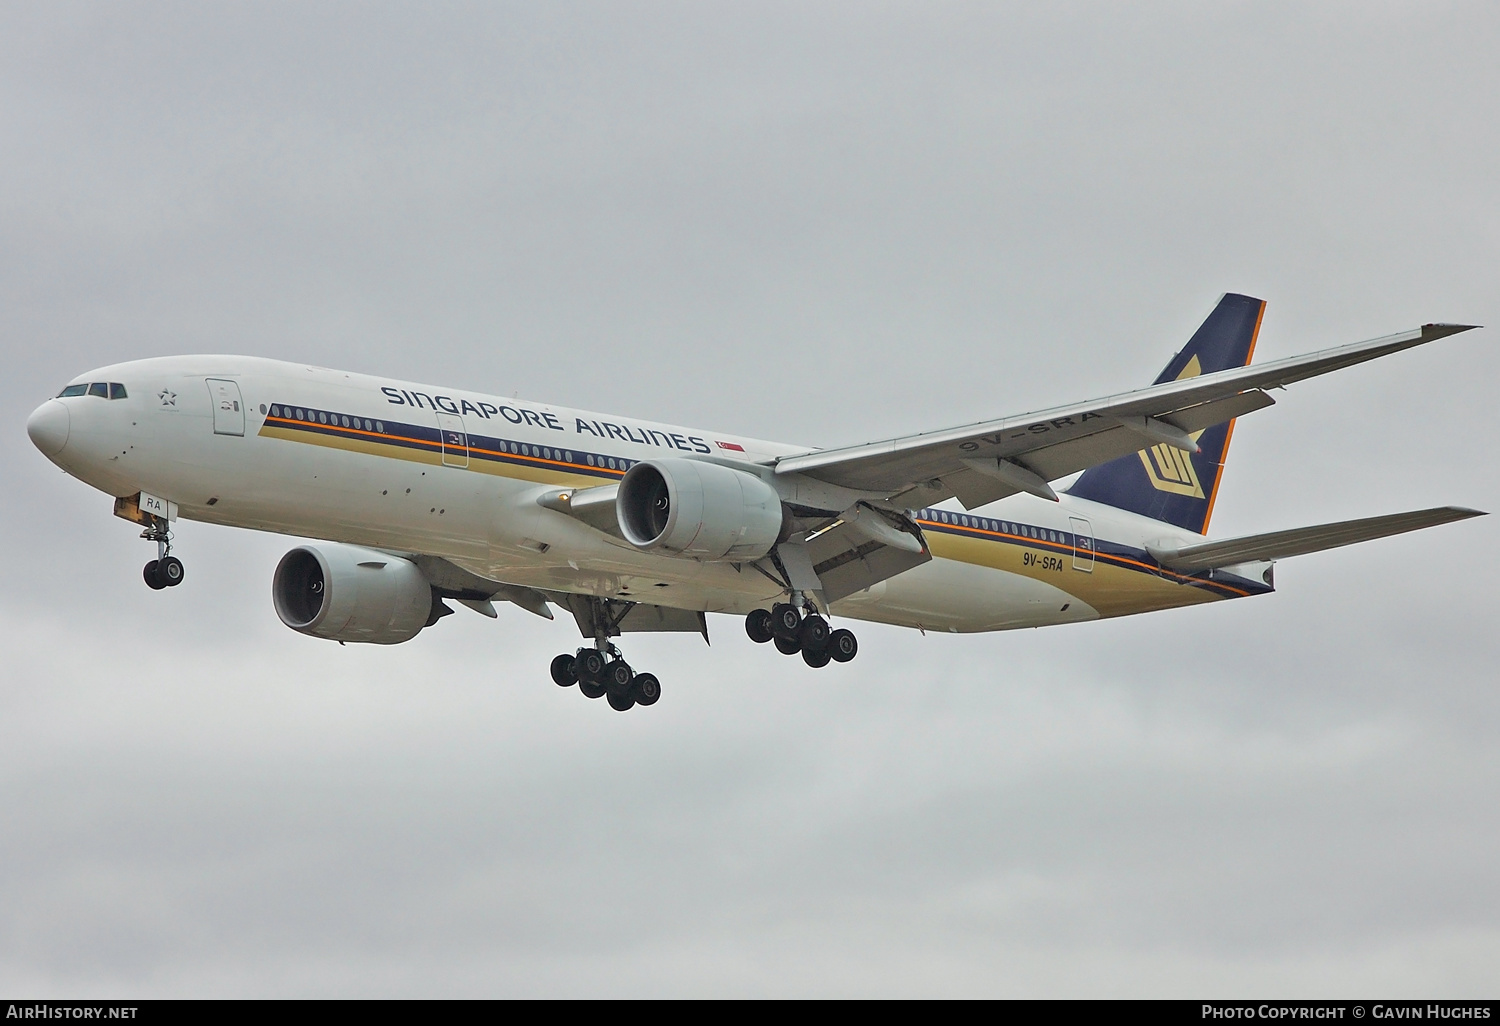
(1063, 458)
(474, 591)
(1206, 415)
(864, 548)
(617, 616)
(1302, 540)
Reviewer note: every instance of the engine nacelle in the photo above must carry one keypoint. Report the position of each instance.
(698, 510)
(348, 593)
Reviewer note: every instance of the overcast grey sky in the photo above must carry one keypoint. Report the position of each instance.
(825, 223)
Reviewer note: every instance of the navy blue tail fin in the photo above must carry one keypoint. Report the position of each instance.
(1163, 482)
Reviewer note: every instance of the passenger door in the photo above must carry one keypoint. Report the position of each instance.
(455, 440)
(229, 409)
(1083, 544)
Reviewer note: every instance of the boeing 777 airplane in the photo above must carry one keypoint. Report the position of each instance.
(422, 495)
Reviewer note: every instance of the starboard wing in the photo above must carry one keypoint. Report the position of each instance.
(980, 463)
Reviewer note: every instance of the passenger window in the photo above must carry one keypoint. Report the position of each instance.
(116, 390)
(72, 390)
(100, 389)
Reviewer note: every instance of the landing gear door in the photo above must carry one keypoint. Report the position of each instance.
(229, 409)
(455, 440)
(1083, 544)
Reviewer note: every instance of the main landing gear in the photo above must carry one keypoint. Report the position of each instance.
(603, 673)
(165, 571)
(792, 633)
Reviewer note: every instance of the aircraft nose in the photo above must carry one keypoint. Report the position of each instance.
(48, 427)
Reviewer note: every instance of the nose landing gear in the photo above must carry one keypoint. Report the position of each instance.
(165, 571)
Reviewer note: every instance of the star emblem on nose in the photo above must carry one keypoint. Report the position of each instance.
(168, 397)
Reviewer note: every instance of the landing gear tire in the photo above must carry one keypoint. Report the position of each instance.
(153, 582)
(602, 672)
(645, 689)
(841, 646)
(815, 657)
(565, 671)
(758, 626)
(788, 646)
(785, 620)
(617, 678)
(813, 634)
(169, 571)
(590, 666)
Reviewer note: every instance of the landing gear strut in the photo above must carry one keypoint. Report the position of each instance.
(792, 632)
(165, 571)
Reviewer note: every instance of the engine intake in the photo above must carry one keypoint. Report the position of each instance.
(348, 593)
(698, 510)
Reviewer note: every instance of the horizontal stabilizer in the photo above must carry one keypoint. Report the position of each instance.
(1281, 544)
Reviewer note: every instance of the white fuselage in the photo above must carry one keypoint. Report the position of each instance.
(368, 479)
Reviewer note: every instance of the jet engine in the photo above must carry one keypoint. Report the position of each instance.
(699, 510)
(348, 593)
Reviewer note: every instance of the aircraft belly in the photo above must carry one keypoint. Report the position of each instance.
(1113, 584)
(962, 597)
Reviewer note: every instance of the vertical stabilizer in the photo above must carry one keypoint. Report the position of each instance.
(1164, 482)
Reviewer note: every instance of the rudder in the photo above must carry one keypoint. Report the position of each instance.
(1164, 482)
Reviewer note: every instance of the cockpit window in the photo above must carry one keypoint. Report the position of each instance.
(103, 389)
